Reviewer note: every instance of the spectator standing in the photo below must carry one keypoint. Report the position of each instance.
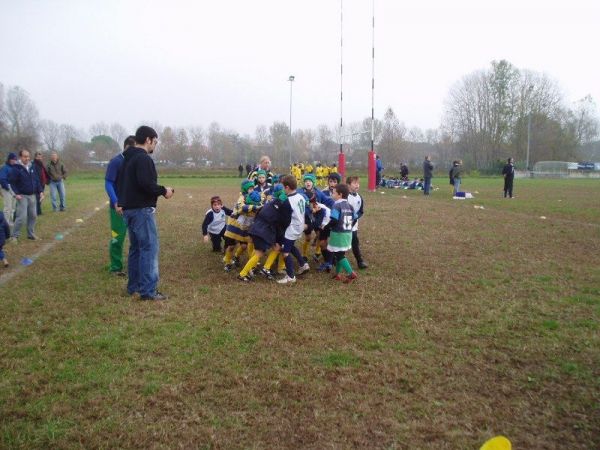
(241, 170)
(4, 235)
(8, 195)
(427, 175)
(25, 184)
(508, 172)
(248, 169)
(404, 172)
(138, 192)
(118, 228)
(378, 170)
(264, 164)
(58, 175)
(455, 175)
(42, 174)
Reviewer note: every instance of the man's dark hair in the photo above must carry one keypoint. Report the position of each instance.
(289, 181)
(343, 190)
(352, 179)
(129, 141)
(144, 132)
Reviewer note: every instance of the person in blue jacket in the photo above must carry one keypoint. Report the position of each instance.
(118, 227)
(312, 193)
(25, 184)
(7, 193)
(4, 235)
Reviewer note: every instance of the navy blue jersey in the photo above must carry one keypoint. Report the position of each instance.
(272, 220)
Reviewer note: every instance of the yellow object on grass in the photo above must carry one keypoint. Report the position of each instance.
(497, 443)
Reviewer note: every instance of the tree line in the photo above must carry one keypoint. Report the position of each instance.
(489, 115)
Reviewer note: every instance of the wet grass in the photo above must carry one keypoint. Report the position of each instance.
(468, 323)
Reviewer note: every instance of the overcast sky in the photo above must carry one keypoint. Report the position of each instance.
(186, 63)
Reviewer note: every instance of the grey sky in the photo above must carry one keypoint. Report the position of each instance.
(186, 63)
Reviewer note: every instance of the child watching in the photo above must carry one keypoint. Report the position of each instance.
(214, 223)
(342, 219)
(356, 201)
(4, 235)
(332, 181)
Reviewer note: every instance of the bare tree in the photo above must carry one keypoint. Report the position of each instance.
(22, 118)
(51, 134)
(99, 129)
(118, 133)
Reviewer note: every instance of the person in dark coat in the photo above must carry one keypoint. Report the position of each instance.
(42, 174)
(241, 170)
(508, 172)
(427, 175)
(25, 184)
(248, 169)
(4, 235)
(138, 192)
(404, 172)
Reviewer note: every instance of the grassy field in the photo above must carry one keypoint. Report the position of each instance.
(468, 323)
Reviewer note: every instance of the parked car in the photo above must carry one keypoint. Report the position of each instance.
(585, 166)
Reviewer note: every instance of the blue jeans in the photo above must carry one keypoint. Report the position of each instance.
(143, 251)
(58, 186)
(427, 186)
(456, 186)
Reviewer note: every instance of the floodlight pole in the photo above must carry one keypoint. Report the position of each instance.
(341, 156)
(528, 140)
(372, 164)
(291, 80)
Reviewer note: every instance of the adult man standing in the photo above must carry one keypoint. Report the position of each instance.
(42, 174)
(25, 184)
(264, 164)
(427, 175)
(118, 228)
(404, 172)
(138, 192)
(57, 174)
(378, 170)
(508, 172)
(241, 170)
(8, 195)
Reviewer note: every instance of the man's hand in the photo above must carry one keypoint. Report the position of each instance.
(170, 192)
(42, 196)
(206, 238)
(118, 209)
(18, 196)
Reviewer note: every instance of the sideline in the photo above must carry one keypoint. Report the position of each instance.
(19, 268)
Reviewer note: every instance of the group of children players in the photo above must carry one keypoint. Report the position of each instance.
(320, 171)
(271, 215)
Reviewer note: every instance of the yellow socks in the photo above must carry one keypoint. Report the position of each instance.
(228, 256)
(305, 246)
(271, 259)
(251, 264)
(238, 251)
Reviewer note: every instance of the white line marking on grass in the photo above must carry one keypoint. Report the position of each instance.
(18, 269)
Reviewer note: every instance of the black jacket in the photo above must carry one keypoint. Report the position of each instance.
(137, 185)
(509, 171)
(427, 169)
